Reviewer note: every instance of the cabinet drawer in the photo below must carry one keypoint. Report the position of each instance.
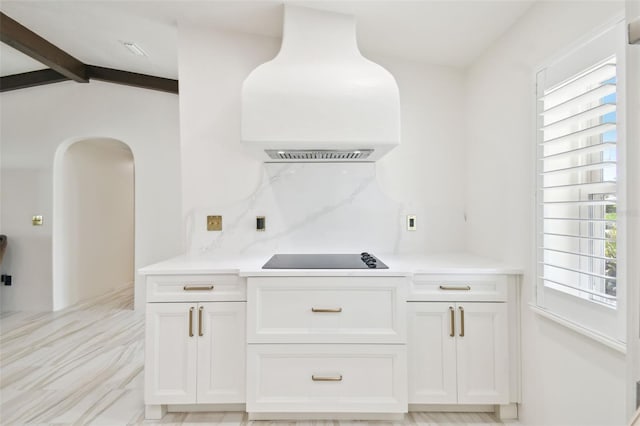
(326, 378)
(196, 288)
(326, 310)
(479, 288)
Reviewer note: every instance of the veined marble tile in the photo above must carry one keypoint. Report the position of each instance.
(309, 207)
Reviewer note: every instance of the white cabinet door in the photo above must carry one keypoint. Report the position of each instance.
(471, 367)
(221, 352)
(170, 353)
(431, 353)
(483, 360)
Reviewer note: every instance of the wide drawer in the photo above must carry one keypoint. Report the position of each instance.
(479, 288)
(327, 378)
(196, 288)
(326, 310)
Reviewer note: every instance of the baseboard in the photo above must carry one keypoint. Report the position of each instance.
(453, 408)
(327, 416)
(183, 408)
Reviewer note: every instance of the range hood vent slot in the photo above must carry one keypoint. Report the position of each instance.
(319, 154)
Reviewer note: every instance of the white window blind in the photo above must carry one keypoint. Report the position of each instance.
(577, 190)
(578, 185)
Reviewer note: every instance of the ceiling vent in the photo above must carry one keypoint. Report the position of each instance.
(319, 99)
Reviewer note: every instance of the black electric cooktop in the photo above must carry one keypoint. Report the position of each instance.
(324, 261)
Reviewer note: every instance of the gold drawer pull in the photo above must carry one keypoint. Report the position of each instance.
(197, 287)
(200, 333)
(455, 287)
(461, 321)
(326, 379)
(452, 331)
(336, 310)
(191, 322)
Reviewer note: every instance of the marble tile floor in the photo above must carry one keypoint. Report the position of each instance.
(84, 365)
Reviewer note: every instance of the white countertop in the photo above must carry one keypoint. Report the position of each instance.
(399, 265)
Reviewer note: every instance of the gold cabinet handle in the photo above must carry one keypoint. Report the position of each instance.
(456, 287)
(461, 321)
(191, 322)
(452, 329)
(200, 333)
(326, 378)
(188, 287)
(335, 310)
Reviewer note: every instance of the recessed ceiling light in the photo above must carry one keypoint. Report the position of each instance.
(134, 48)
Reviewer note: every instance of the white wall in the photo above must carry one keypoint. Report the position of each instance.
(28, 255)
(423, 176)
(35, 122)
(98, 219)
(567, 378)
(633, 214)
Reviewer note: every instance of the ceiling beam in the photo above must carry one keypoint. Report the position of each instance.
(31, 44)
(30, 79)
(40, 77)
(132, 79)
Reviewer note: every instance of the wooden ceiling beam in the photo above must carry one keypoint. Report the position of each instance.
(64, 66)
(31, 44)
(30, 79)
(132, 79)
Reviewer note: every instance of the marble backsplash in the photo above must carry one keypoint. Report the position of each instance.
(309, 207)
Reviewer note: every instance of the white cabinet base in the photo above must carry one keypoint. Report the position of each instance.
(327, 416)
(507, 411)
(502, 412)
(154, 412)
(207, 408)
(453, 408)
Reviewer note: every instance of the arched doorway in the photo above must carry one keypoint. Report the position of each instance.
(93, 233)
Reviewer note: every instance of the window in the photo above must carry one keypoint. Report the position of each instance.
(578, 190)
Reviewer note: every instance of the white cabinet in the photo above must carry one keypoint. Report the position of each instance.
(332, 378)
(326, 345)
(459, 288)
(194, 341)
(171, 353)
(431, 354)
(458, 353)
(221, 353)
(195, 353)
(327, 310)
(196, 288)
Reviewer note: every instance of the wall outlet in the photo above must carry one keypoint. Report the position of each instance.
(6, 279)
(36, 220)
(214, 223)
(411, 222)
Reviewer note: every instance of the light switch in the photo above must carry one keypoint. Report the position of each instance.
(261, 223)
(214, 223)
(411, 222)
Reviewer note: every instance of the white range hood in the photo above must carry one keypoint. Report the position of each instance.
(319, 99)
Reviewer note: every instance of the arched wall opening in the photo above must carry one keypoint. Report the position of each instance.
(93, 219)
